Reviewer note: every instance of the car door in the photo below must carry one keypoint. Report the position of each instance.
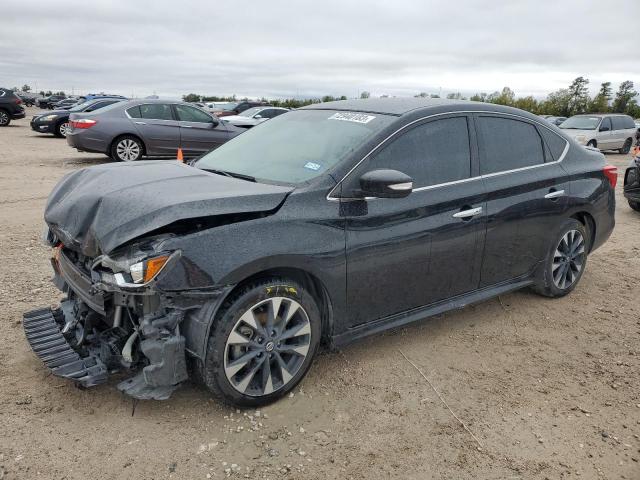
(157, 126)
(605, 135)
(413, 251)
(618, 132)
(199, 132)
(527, 192)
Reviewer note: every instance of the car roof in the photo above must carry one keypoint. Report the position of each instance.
(399, 106)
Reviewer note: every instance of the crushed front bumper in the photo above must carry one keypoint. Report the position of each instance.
(43, 329)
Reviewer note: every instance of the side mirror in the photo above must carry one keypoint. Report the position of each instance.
(257, 116)
(604, 129)
(385, 184)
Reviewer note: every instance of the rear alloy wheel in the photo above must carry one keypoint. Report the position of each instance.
(263, 343)
(127, 149)
(62, 129)
(565, 261)
(626, 148)
(4, 118)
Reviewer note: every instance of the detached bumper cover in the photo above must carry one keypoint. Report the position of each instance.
(43, 331)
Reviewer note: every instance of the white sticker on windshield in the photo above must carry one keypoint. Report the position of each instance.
(352, 117)
(312, 166)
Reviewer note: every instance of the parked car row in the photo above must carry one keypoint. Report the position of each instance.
(57, 121)
(604, 132)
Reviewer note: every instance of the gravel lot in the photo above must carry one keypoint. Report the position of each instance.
(550, 388)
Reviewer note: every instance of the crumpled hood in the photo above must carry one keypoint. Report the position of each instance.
(99, 208)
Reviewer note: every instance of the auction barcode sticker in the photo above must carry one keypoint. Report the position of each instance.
(352, 117)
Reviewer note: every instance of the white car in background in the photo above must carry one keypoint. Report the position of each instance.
(254, 116)
(602, 131)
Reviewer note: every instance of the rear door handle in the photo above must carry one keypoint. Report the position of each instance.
(140, 123)
(186, 126)
(555, 194)
(468, 213)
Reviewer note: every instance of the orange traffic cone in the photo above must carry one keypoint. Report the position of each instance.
(180, 156)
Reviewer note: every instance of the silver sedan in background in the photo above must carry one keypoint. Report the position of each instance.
(254, 116)
(127, 131)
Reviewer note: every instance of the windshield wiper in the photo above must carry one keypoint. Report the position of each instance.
(224, 173)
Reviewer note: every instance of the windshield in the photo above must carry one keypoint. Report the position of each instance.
(581, 123)
(250, 112)
(295, 147)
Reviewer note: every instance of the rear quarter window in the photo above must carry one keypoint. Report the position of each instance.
(555, 143)
(508, 144)
(134, 112)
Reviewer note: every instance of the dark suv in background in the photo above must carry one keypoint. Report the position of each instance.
(47, 102)
(10, 107)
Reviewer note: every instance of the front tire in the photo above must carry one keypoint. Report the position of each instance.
(626, 148)
(261, 343)
(61, 129)
(565, 261)
(592, 143)
(127, 149)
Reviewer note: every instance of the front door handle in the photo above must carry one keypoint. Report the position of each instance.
(186, 126)
(468, 213)
(555, 194)
(140, 123)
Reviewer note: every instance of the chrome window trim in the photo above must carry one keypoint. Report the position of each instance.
(464, 180)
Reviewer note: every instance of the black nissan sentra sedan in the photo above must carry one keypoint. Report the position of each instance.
(319, 227)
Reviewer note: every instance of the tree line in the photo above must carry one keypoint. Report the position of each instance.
(573, 100)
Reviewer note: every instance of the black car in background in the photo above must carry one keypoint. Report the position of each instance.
(321, 226)
(57, 122)
(65, 104)
(47, 102)
(10, 107)
(632, 184)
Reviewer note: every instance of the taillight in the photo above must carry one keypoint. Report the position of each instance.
(83, 123)
(18, 101)
(611, 173)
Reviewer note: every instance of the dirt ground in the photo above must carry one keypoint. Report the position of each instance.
(550, 388)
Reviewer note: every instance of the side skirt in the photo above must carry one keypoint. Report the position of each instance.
(421, 313)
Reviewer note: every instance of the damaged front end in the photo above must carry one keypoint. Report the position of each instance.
(113, 319)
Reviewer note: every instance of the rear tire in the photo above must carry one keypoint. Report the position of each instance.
(5, 119)
(565, 261)
(127, 149)
(255, 356)
(592, 143)
(634, 205)
(627, 147)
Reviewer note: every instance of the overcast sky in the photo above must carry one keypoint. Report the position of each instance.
(310, 48)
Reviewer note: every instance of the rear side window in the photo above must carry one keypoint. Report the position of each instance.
(156, 111)
(623, 122)
(431, 153)
(555, 144)
(508, 144)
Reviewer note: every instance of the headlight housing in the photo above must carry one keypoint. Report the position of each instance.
(581, 138)
(147, 270)
(47, 118)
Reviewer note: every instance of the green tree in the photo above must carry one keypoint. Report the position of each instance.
(455, 96)
(557, 103)
(191, 97)
(528, 103)
(26, 88)
(479, 97)
(600, 103)
(578, 96)
(365, 94)
(624, 95)
(421, 95)
(506, 97)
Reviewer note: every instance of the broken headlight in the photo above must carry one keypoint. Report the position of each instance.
(145, 271)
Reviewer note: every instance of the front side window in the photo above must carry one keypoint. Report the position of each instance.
(156, 111)
(605, 126)
(190, 114)
(432, 153)
(295, 148)
(507, 144)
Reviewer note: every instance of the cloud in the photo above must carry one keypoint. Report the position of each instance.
(302, 48)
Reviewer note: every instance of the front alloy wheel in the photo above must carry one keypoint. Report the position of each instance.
(261, 343)
(267, 346)
(62, 129)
